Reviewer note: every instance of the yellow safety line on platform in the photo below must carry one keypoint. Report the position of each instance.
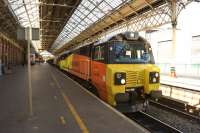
(71, 107)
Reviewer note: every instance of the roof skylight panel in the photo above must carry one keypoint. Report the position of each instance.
(76, 30)
(19, 10)
(88, 5)
(114, 3)
(87, 13)
(93, 17)
(67, 28)
(84, 10)
(88, 21)
(75, 17)
(104, 8)
(80, 28)
(82, 25)
(96, 12)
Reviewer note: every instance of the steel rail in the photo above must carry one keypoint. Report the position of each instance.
(174, 110)
(151, 123)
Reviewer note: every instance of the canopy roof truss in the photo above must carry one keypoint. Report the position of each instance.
(135, 15)
(48, 15)
(53, 16)
(86, 14)
(8, 23)
(19, 9)
(64, 24)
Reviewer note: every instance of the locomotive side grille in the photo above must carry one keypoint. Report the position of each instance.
(134, 78)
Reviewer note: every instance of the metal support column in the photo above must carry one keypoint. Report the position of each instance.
(6, 53)
(29, 35)
(1, 45)
(174, 25)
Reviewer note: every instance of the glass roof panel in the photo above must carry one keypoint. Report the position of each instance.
(32, 6)
(87, 13)
(87, 20)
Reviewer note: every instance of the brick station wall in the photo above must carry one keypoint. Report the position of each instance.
(10, 52)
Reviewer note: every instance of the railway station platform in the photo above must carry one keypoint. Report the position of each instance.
(59, 105)
(181, 88)
(182, 82)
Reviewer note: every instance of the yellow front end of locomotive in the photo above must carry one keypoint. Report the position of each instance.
(68, 62)
(61, 64)
(140, 77)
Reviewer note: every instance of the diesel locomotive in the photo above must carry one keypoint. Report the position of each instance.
(121, 68)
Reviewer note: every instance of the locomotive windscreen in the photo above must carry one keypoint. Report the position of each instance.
(130, 52)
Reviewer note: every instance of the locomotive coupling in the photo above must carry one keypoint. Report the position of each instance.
(127, 97)
(122, 97)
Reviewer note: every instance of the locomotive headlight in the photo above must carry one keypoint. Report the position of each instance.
(154, 80)
(120, 78)
(154, 77)
(132, 35)
(123, 81)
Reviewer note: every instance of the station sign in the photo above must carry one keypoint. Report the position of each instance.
(23, 32)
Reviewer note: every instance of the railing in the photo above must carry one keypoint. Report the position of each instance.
(188, 70)
(184, 94)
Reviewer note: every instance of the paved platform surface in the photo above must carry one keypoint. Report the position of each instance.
(59, 106)
(185, 82)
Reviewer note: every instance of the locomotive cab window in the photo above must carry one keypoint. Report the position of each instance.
(99, 53)
(130, 52)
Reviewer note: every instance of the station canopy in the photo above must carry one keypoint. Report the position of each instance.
(18, 7)
(87, 13)
(61, 20)
(65, 24)
(25, 10)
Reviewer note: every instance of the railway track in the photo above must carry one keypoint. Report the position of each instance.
(152, 124)
(178, 111)
(177, 106)
(181, 105)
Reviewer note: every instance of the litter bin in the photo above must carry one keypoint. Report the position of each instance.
(172, 71)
